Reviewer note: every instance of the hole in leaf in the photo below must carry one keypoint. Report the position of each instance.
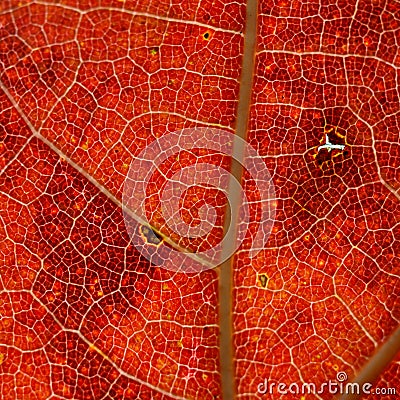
(207, 35)
(263, 279)
(150, 236)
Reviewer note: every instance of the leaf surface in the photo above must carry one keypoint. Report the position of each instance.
(86, 86)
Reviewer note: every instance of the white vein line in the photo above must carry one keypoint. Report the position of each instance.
(176, 114)
(98, 350)
(378, 167)
(92, 180)
(16, 156)
(355, 318)
(321, 53)
(129, 12)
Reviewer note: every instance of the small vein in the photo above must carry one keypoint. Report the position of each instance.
(92, 180)
(95, 348)
(132, 13)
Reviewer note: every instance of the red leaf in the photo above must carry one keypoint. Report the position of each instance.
(86, 86)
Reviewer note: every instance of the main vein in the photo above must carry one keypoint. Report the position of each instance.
(232, 214)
